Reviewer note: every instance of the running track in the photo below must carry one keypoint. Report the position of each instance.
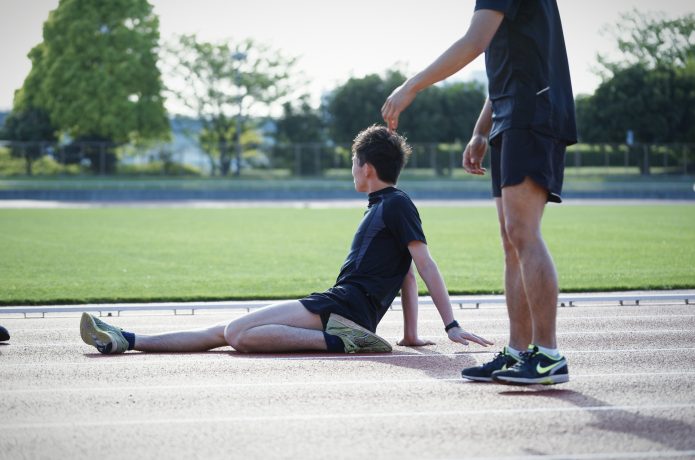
(631, 394)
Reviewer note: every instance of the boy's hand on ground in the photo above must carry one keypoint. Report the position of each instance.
(461, 336)
(416, 342)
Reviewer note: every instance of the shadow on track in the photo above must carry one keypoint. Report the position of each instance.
(673, 434)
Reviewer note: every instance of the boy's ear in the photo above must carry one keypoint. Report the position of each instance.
(369, 171)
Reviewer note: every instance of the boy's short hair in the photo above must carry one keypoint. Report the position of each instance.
(383, 149)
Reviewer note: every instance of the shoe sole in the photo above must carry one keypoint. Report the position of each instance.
(477, 379)
(91, 334)
(382, 347)
(547, 380)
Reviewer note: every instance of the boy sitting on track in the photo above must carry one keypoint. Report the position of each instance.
(344, 318)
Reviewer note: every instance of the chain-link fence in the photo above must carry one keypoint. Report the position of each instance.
(309, 160)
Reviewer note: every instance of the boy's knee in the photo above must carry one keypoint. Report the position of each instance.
(234, 336)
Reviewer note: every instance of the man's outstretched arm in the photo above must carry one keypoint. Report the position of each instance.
(429, 272)
(482, 29)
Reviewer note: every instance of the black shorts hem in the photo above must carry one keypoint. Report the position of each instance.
(520, 153)
(553, 197)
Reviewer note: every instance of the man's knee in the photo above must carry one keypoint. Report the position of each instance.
(518, 234)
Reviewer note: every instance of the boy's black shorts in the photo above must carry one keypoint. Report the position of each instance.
(519, 153)
(346, 300)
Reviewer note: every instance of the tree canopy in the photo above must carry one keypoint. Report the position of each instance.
(221, 82)
(442, 113)
(650, 90)
(95, 72)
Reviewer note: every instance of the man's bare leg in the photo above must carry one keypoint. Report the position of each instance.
(520, 326)
(281, 327)
(523, 207)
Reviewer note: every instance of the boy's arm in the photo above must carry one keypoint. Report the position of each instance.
(409, 300)
(429, 272)
(483, 27)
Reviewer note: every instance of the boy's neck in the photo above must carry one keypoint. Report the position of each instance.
(378, 185)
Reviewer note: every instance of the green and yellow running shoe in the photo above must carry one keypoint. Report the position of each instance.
(535, 367)
(356, 338)
(483, 373)
(106, 338)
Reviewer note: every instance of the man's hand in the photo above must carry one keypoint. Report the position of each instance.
(456, 334)
(474, 154)
(396, 103)
(415, 342)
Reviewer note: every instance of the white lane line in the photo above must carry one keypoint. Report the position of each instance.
(227, 356)
(600, 455)
(341, 416)
(310, 383)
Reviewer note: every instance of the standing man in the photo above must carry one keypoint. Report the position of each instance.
(528, 120)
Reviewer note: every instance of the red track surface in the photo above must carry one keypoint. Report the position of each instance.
(631, 394)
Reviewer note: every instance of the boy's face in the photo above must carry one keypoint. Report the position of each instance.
(359, 174)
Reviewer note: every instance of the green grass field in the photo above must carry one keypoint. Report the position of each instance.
(139, 254)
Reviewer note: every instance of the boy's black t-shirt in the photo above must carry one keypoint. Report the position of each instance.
(528, 72)
(379, 258)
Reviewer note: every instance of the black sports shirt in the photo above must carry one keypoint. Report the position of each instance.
(527, 69)
(379, 258)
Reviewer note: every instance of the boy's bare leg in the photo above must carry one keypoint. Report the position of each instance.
(286, 326)
(183, 341)
(282, 327)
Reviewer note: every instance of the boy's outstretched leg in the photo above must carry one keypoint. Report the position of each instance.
(109, 339)
(278, 328)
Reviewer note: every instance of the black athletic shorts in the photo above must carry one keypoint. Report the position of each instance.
(519, 153)
(346, 300)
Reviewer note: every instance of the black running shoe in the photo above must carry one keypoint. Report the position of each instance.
(504, 360)
(4, 335)
(535, 367)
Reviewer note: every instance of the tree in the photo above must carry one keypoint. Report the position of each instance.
(299, 126)
(357, 104)
(29, 130)
(102, 79)
(300, 123)
(650, 90)
(95, 72)
(442, 113)
(651, 41)
(220, 82)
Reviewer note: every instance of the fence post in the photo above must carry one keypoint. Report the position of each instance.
(102, 160)
(297, 160)
(605, 154)
(685, 161)
(627, 159)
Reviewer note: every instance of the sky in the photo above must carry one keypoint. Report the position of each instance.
(337, 39)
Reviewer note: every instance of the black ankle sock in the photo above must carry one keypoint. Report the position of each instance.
(130, 337)
(334, 343)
